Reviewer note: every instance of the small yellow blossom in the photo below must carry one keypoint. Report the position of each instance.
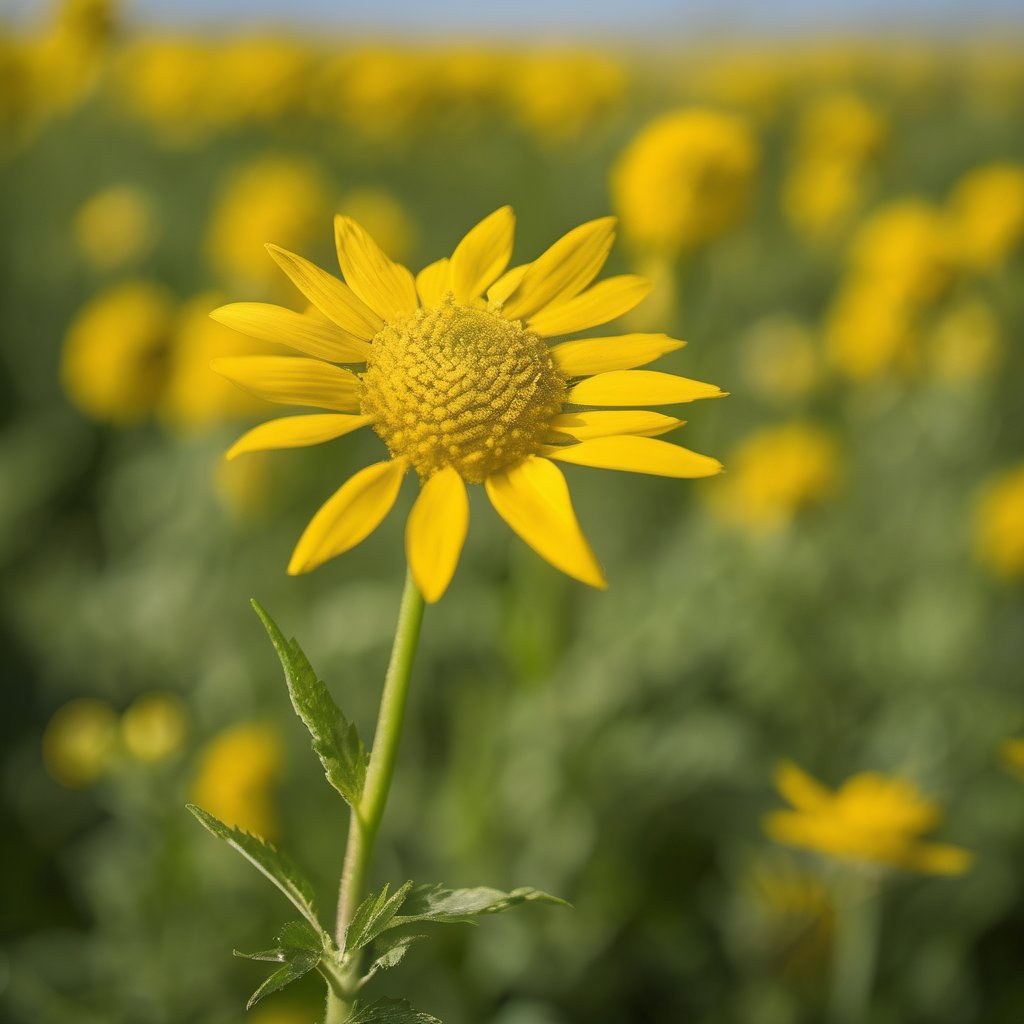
(115, 226)
(258, 78)
(819, 195)
(841, 126)
(236, 775)
(279, 197)
(964, 342)
(153, 726)
(80, 742)
(686, 178)
(114, 361)
(999, 524)
(987, 208)
(1012, 753)
(871, 819)
(775, 473)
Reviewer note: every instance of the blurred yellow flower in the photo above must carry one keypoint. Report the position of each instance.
(115, 226)
(195, 397)
(964, 342)
(686, 178)
(999, 524)
(840, 126)
(272, 197)
(870, 329)
(384, 217)
(871, 819)
(259, 78)
(559, 95)
(775, 473)
(908, 244)
(237, 772)
(114, 361)
(1012, 753)
(987, 208)
(80, 742)
(819, 194)
(463, 388)
(153, 726)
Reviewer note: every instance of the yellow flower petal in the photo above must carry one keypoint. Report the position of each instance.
(564, 270)
(436, 531)
(385, 286)
(296, 432)
(281, 326)
(482, 256)
(349, 516)
(332, 297)
(599, 355)
(636, 454)
(609, 423)
(606, 301)
(434, 282)
(533, 498)
(938, 858)
(293, 380)
(800, 789)
(640, 387)
(506, 285)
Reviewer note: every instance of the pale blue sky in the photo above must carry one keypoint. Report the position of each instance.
(575, 17)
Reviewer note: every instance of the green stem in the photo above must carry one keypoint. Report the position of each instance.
(858, 926)
(367, 816)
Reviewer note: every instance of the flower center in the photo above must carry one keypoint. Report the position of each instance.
(462, 387)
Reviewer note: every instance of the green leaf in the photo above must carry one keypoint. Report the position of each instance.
(373, 915)
(390, 1011)
(447, 906)
(269, 862)
(335, 740)
(294, 937)
(297, 967)
(389, 951)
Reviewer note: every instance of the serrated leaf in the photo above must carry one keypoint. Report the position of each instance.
(294, 937)
(373, 915)
(296, 967)
(269, 862)
(449, 906)
(335, 740)
(390, 1011)
(389, 951)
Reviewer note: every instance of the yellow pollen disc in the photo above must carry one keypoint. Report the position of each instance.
(461, 387)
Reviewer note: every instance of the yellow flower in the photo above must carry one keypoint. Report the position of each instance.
(871, 819)
(964, 343)
(909, 244)
(258, 77)
(237, 771)
(113, 365)
(775, 473)
(195, 398)
(153, 726)
(115, 226)
(684, 179)
(841, 126)
(987, 207)
(271, 197)
(819, 194)
(80, 742)
(464, 389)
(1012, 752)
(999, 524)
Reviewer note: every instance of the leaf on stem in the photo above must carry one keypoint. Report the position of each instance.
(374, 915)
(335, 740)
(389, 951)
(269, 862)
(452, 906)
(390, 1011)
(298, 948)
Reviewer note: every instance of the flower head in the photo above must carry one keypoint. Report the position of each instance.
(686, 178)
(461, 385)
(999, 524)
(987, 207)
(870, 819)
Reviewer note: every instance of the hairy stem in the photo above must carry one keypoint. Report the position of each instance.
(367, 816)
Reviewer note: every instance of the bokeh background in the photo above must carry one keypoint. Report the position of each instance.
(835, 228)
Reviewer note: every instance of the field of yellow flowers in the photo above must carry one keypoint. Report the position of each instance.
(777, 767)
